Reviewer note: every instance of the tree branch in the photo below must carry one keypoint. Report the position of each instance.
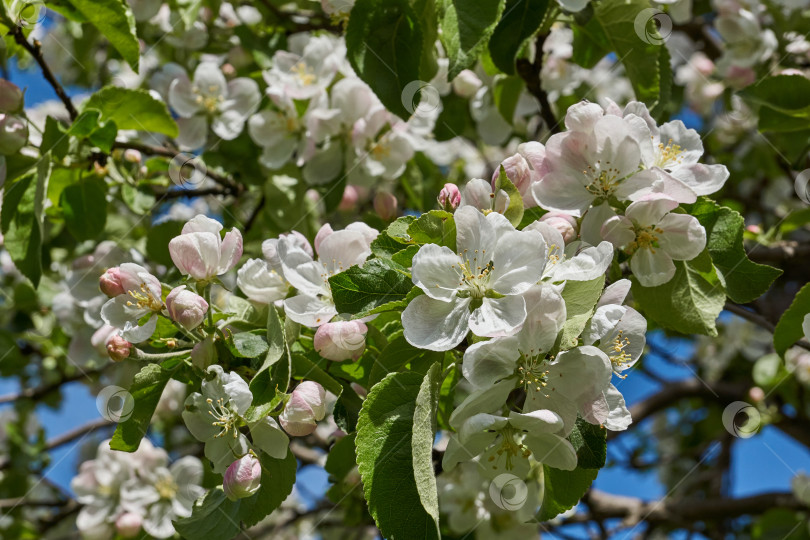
(759, 320)
(530, 73)
(779, 252)
(41, 391)
(68, 436)
(35, 50)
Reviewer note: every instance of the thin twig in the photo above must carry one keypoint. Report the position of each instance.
(759, 320)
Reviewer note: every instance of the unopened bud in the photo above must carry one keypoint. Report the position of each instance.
(304, 410)
(132, 155)
(449, 197)
(118, 348)
(242, 478)
(11, 97)
(129, 524)
(110, 282)
(564, 223)
(385, 204)
(186, 308)
(466, 84)
(13, 134)
(341, 340)
(349, 200)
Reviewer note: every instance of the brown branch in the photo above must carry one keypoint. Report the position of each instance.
(68, 436)
(530, 73)
(634, 510)
(779, 252)
(40, 391)
(759, 320)
(35, 50)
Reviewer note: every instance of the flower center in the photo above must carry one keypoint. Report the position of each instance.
(166, 486)
(210, 100)
(532, 373)
(646, 238)
(474, 274)
(603, 181)
(510, 448)
(618, 355)
(144, 299)
(306, 75)
(668, 154)
(224, 418)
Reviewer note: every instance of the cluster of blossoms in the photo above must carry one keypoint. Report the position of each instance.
(133, 494)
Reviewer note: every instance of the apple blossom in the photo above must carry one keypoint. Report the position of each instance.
(385, 205)
(142, 297)
(307, 67)
(200, 252)
(449, 197)
(110, 282)
(270, 248)
(479, 193)
(11, 97)
(479, 288)
(304, 409)
(466, 83)
(339, 250)
(341, 340)
(566, 224)
(118, 348)
(186, 308)
(260, 282)
(13, 134)
(209, 97)
(242, 478)
(215, 414)
(654, 237)
(128, 524)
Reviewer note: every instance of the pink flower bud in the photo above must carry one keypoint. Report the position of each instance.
(110, 282)
(132, 155)
(11, 97)
(341, 340)
(385, 204)
(100, 338)
(349, 200)
(242, 478)
(449, 197)
(186, 308)
(565, 224)
(129, 524)
(517, 170)
(118, 348)
(201, 253)
(304, 409)
(756, 394)
(13, 134)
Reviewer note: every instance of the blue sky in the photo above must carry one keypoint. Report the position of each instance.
(774, 456)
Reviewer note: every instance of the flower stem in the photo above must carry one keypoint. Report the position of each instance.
(138, 354)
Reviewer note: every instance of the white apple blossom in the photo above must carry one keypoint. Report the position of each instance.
(200, 252)
(313, 306)
(654, 237)
(597, 159)
(304, 410)
(208, 97)
(477, 289)
(260, 282)
(215, 414)
(479, 193)
(142, 298)
(308, 65)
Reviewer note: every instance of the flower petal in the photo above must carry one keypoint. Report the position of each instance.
(436, 270)
(498, 317)
(436, 325)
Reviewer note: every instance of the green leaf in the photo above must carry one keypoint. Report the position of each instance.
(84, 205)
(377, 282)
(132, 109)
(261, 386)
(466, 27)
(424, 433)
(278, 478)
(147, 386)
(640, 58)
(397, 355)
(744, 280)
(690, 302)
(590, 43)
(386, 462)
(562, 490)
(157, 241)
(434, 227)
(514, 212)
(384, 44)
(590, 442)
(788, 94)
(341, 459)
(789, 328)
(114, 19)
(305, 369)
(505, 94)
(21, 221)
(85, 124)
(580, 299)
(54, 139)
(247, 345)
(521, 19)
(213, 517)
